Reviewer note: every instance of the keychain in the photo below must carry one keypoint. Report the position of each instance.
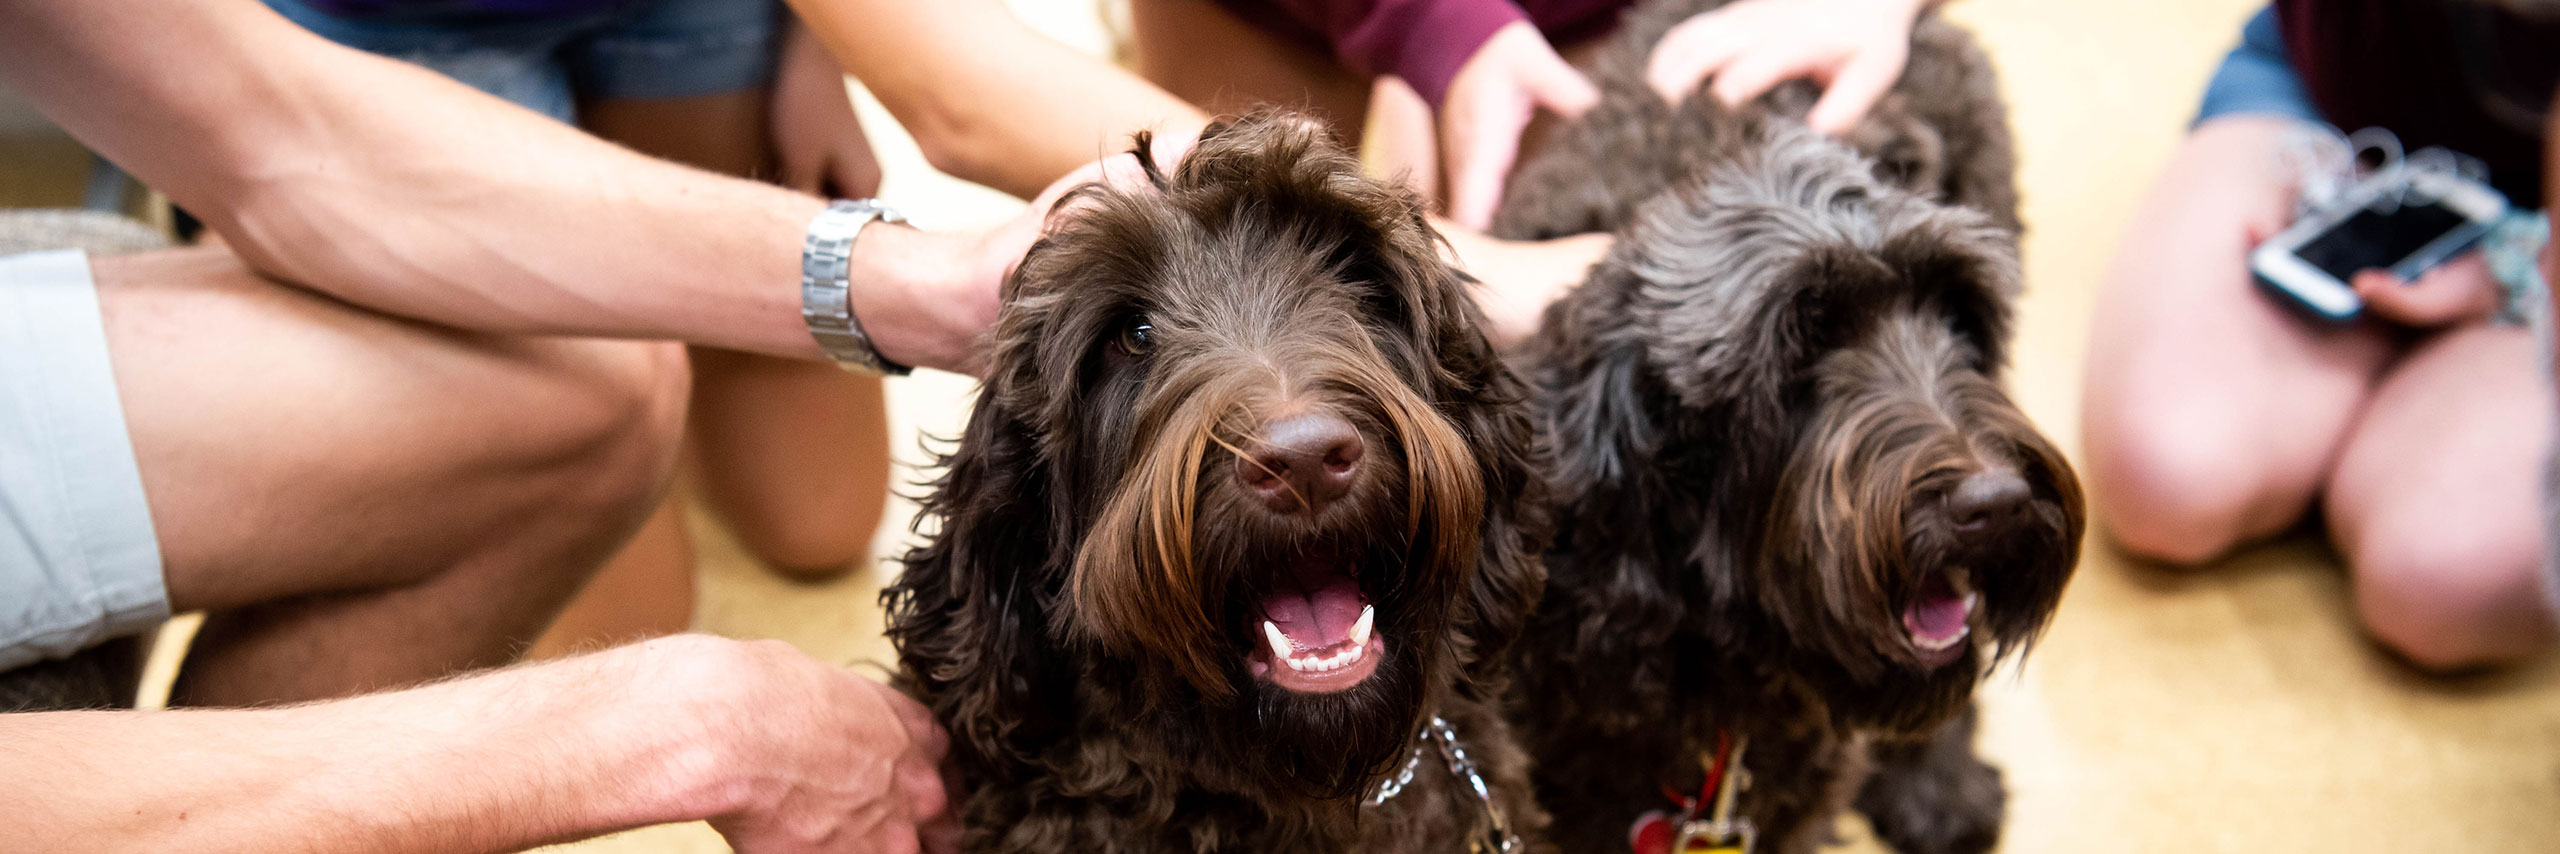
(1706, 824)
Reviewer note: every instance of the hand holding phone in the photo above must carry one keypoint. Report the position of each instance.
(2457, 290)
(2401, 222)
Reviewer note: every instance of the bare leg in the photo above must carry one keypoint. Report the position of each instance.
(1205, 55)
(642, 593)
(2436, 502)
(2212, 414)
(794, 455)
(362, 501)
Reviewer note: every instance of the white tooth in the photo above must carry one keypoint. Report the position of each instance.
(1280, 646)
(1360, 630)
(1300, 666)
(1935, 644)
(1969, 600)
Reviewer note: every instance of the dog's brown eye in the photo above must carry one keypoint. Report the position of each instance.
(1138, 337)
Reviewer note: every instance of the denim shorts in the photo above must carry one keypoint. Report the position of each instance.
(548, 63)
(79, 558)
(2256, 78)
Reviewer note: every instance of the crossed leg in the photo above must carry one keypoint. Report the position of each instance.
(360, 501)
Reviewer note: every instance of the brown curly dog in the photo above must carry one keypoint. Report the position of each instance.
(1246, 503)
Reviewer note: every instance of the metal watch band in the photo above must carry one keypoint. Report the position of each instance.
(826, 303)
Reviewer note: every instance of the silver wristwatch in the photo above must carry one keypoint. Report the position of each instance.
(825, 283)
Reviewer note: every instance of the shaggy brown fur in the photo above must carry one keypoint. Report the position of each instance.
(1087, 619)
(1783, 457)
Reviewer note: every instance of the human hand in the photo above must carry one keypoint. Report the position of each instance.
(2456, 291)
(1854, 48)
(1490, 102)
(1521, 277)
(928, 298)
(990, 255)
(797, 755)
(818, 144)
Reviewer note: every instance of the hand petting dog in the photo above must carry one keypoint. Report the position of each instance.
(1854, 48)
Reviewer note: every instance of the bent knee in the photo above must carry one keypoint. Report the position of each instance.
(2448, 602)
(619, 414)
(2174, 491)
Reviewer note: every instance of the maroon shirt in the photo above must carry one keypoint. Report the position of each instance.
(1422, 41)
(2434, 72)
(520, 8)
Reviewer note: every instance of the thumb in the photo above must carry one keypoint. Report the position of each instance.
(2457, 290)
(1852, 92)
(1478, 163)
(1555, 84)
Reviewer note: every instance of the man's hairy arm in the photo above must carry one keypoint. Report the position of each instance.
(396, 189)
(678, 729)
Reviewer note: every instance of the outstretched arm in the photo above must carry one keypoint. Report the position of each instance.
(764, 742)
(396, 189)
(989, 99)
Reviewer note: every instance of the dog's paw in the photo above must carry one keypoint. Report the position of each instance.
(1940, 805)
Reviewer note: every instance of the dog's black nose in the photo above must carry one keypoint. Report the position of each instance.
(1988, 499)
(1303, 462)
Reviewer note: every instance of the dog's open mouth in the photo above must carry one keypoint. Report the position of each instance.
(1318, 632)
(1939, 618)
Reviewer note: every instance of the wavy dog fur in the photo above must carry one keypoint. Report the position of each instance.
(1082, 620)
(1765, 406)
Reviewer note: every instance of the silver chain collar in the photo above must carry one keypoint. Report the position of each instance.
(1497, 838)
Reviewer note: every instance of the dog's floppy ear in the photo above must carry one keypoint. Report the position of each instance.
(969, 613)
(1593, 377)
(1595, 386)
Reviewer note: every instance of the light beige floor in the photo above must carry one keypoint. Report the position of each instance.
(2229, 710)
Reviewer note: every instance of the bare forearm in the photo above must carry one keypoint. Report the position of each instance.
(396, 189)
(989, 99)
(494, 763)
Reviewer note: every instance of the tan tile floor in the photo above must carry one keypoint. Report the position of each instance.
(2229, 710)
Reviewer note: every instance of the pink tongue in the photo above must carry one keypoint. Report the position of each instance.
(1318, 616)
(1938, 613)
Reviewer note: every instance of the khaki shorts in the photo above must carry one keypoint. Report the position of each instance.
(79, 561)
